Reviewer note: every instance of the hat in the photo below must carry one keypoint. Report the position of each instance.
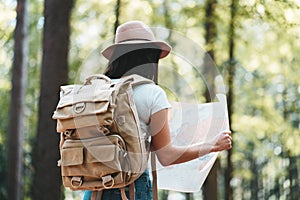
(135, 35)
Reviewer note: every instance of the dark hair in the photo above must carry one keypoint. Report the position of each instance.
(141, 61)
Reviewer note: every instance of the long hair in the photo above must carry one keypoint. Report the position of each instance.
(141, 61)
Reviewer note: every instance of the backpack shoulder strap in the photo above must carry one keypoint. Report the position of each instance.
(136, 80)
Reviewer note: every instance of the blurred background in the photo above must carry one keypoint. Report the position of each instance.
(253, 44)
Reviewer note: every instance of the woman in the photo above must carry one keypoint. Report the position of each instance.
(137, 52)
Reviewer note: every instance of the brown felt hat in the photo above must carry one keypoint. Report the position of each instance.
(135, 35)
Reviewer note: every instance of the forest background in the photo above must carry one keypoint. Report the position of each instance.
(254, 44)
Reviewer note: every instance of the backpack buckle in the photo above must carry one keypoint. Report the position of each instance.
(107, 179)
(79, 107)
(76, 181)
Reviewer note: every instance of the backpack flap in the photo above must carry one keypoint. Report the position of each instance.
(85, 102)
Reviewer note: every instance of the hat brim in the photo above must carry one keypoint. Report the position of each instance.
(128, 46)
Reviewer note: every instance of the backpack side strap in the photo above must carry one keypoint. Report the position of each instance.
(123, 194)
(96, 195)
(132, 191)
(154, 176)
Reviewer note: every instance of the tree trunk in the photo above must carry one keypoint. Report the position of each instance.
(47, 178)
(117, 13)
(209, 70)
(231, 72)
(210, 186)
(16, 125)
(293, 176)
(254, 180)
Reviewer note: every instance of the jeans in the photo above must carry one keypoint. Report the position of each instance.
(143, 190)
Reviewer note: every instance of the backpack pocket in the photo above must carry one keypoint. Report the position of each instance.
(72, 156)
(94, 163)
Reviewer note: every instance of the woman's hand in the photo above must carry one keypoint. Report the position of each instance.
(169, 154)
(223, 141)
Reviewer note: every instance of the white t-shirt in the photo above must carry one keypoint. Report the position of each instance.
(149, 99)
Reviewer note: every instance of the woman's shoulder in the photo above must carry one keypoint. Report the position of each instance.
(150, 88)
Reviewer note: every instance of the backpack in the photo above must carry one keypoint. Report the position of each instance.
(101, 145)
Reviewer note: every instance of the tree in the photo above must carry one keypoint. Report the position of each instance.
(47, 178)
(210, 186)
(16, 125)
(231, 72)
(265, 79)
(117, 13)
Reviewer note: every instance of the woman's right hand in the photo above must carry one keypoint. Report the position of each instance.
(223, 141)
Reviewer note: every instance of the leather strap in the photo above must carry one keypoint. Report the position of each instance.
(154, 177)
(135, 80)
(132, 191)
(96, 195)
(123, 194)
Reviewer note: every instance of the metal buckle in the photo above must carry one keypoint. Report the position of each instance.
(76, 179)
(107, 179)
(79, 107)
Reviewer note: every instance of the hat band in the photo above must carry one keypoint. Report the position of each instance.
(133, 39)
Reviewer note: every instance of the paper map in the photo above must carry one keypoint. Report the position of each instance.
(189, 124)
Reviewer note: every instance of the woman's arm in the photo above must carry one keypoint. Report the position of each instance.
(169, 154)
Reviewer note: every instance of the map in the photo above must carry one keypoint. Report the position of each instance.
(190, 124)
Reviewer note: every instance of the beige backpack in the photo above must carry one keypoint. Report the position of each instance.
(102, 146)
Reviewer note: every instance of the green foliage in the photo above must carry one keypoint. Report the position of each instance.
(7, 9)
(6, 56)
(266, 120)
(266, 89)
(4, 102)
